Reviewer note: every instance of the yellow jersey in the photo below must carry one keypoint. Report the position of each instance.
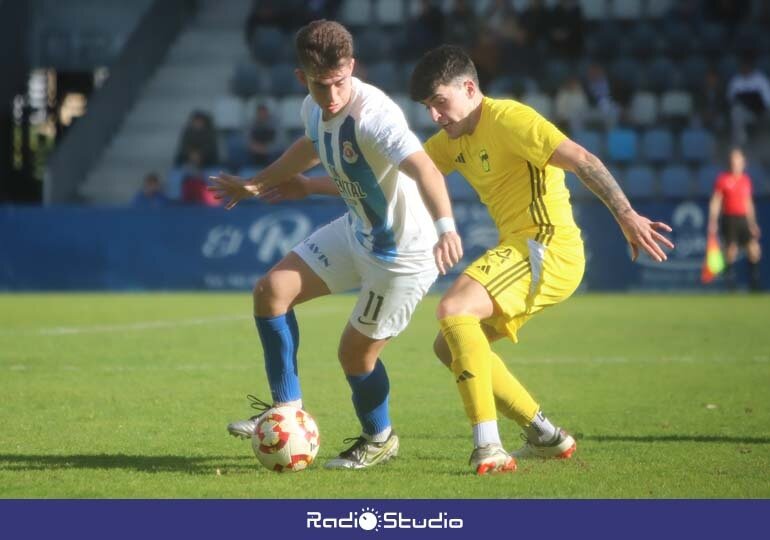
(505, 160)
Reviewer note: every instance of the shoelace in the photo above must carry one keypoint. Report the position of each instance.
(259, 405)
(358, 443)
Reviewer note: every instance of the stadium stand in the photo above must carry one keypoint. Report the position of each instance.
(658, 130)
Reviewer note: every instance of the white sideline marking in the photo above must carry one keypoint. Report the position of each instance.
(153, 325)
(144, 325)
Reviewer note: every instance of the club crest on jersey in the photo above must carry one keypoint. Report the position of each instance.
(348, 152)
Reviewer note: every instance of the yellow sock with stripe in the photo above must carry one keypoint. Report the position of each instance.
(471, 365)
(511, 398)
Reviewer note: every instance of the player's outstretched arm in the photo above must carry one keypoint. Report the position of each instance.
(640, 232)
(420, 168)
(298, 158)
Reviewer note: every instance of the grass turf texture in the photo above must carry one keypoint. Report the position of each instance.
(124, 396)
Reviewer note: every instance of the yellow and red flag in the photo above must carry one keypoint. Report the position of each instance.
(713, 262)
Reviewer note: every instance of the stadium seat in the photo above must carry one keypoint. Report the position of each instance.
(247, 80)
(680, 38)
(759, 178)
(237, 150)
(639, 181)
(697, 145)
(372, 46)
(622, 145)
(268, 45)
(646, 40)
(658, 8)
(658, 146)
(555, 73)
(388, 12)
(590, 140)
(356, 12)
(288, 110)
(727, 66)
(577, 190)
(542, 103)
(228, 113)
(676, 181)
(712, 38)
(660, 75)
(173, 183)
(460, 189)
(627, 71)
(626, 10)
(385, 76)
(283, 80)
(676, 104)
(694, 69)
(604, 41)
(705, 178)
(594, 10)
(644, 108)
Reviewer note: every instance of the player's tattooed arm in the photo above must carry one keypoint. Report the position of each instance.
(640, 232)
(600, 181)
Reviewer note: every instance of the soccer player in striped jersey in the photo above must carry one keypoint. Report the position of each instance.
(515, 159)
(397, 234)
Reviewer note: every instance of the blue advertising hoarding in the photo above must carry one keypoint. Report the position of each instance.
(192, 248)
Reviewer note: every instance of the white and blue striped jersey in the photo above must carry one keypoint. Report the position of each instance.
(361, 149)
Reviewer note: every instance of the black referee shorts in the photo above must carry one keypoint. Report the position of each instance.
(735, 230)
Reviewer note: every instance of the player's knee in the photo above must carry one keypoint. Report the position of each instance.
(448, 307)
(267, 296)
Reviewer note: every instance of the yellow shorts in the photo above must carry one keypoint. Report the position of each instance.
(524, 276)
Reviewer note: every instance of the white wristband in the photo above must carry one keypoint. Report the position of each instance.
(445, 225)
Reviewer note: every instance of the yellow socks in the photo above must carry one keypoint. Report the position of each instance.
(484, 382)
(471, 365)
(511, 398)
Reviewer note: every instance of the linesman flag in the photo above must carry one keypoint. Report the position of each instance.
(713, 262)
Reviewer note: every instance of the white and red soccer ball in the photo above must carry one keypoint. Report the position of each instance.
(286, 439)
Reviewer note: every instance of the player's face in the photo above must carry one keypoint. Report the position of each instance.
(330, 90)
(737, 162)
(451, 107)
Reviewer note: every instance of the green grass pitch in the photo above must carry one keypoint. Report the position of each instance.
(128, 395)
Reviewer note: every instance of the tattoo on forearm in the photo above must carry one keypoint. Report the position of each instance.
(598, 179)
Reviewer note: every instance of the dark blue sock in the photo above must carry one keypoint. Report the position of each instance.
(370, 398)
(280, 340)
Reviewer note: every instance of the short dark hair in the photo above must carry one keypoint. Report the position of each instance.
(323, 46)
(440, 66)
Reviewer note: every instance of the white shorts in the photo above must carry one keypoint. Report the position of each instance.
(388, 297)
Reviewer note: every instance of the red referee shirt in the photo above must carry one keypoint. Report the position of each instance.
(735, 191)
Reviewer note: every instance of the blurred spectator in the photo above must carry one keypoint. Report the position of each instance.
(500, 19)
(748, 94)
(198, 142)
(263, 137)
(571, 105)
(462, 25)
(600, 96)
(711, 101)
(727, 12)
(565, 31)
(487, 55)
(731, 210)
(534, 21)
(151, 195)
(425, 31)
(263, 13)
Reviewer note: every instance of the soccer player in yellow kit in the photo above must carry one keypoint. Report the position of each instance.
(514, 158)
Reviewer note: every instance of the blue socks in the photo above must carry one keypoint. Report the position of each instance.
(370, 399)
(280, 341)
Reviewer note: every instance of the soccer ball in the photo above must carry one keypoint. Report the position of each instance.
(286, 439)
